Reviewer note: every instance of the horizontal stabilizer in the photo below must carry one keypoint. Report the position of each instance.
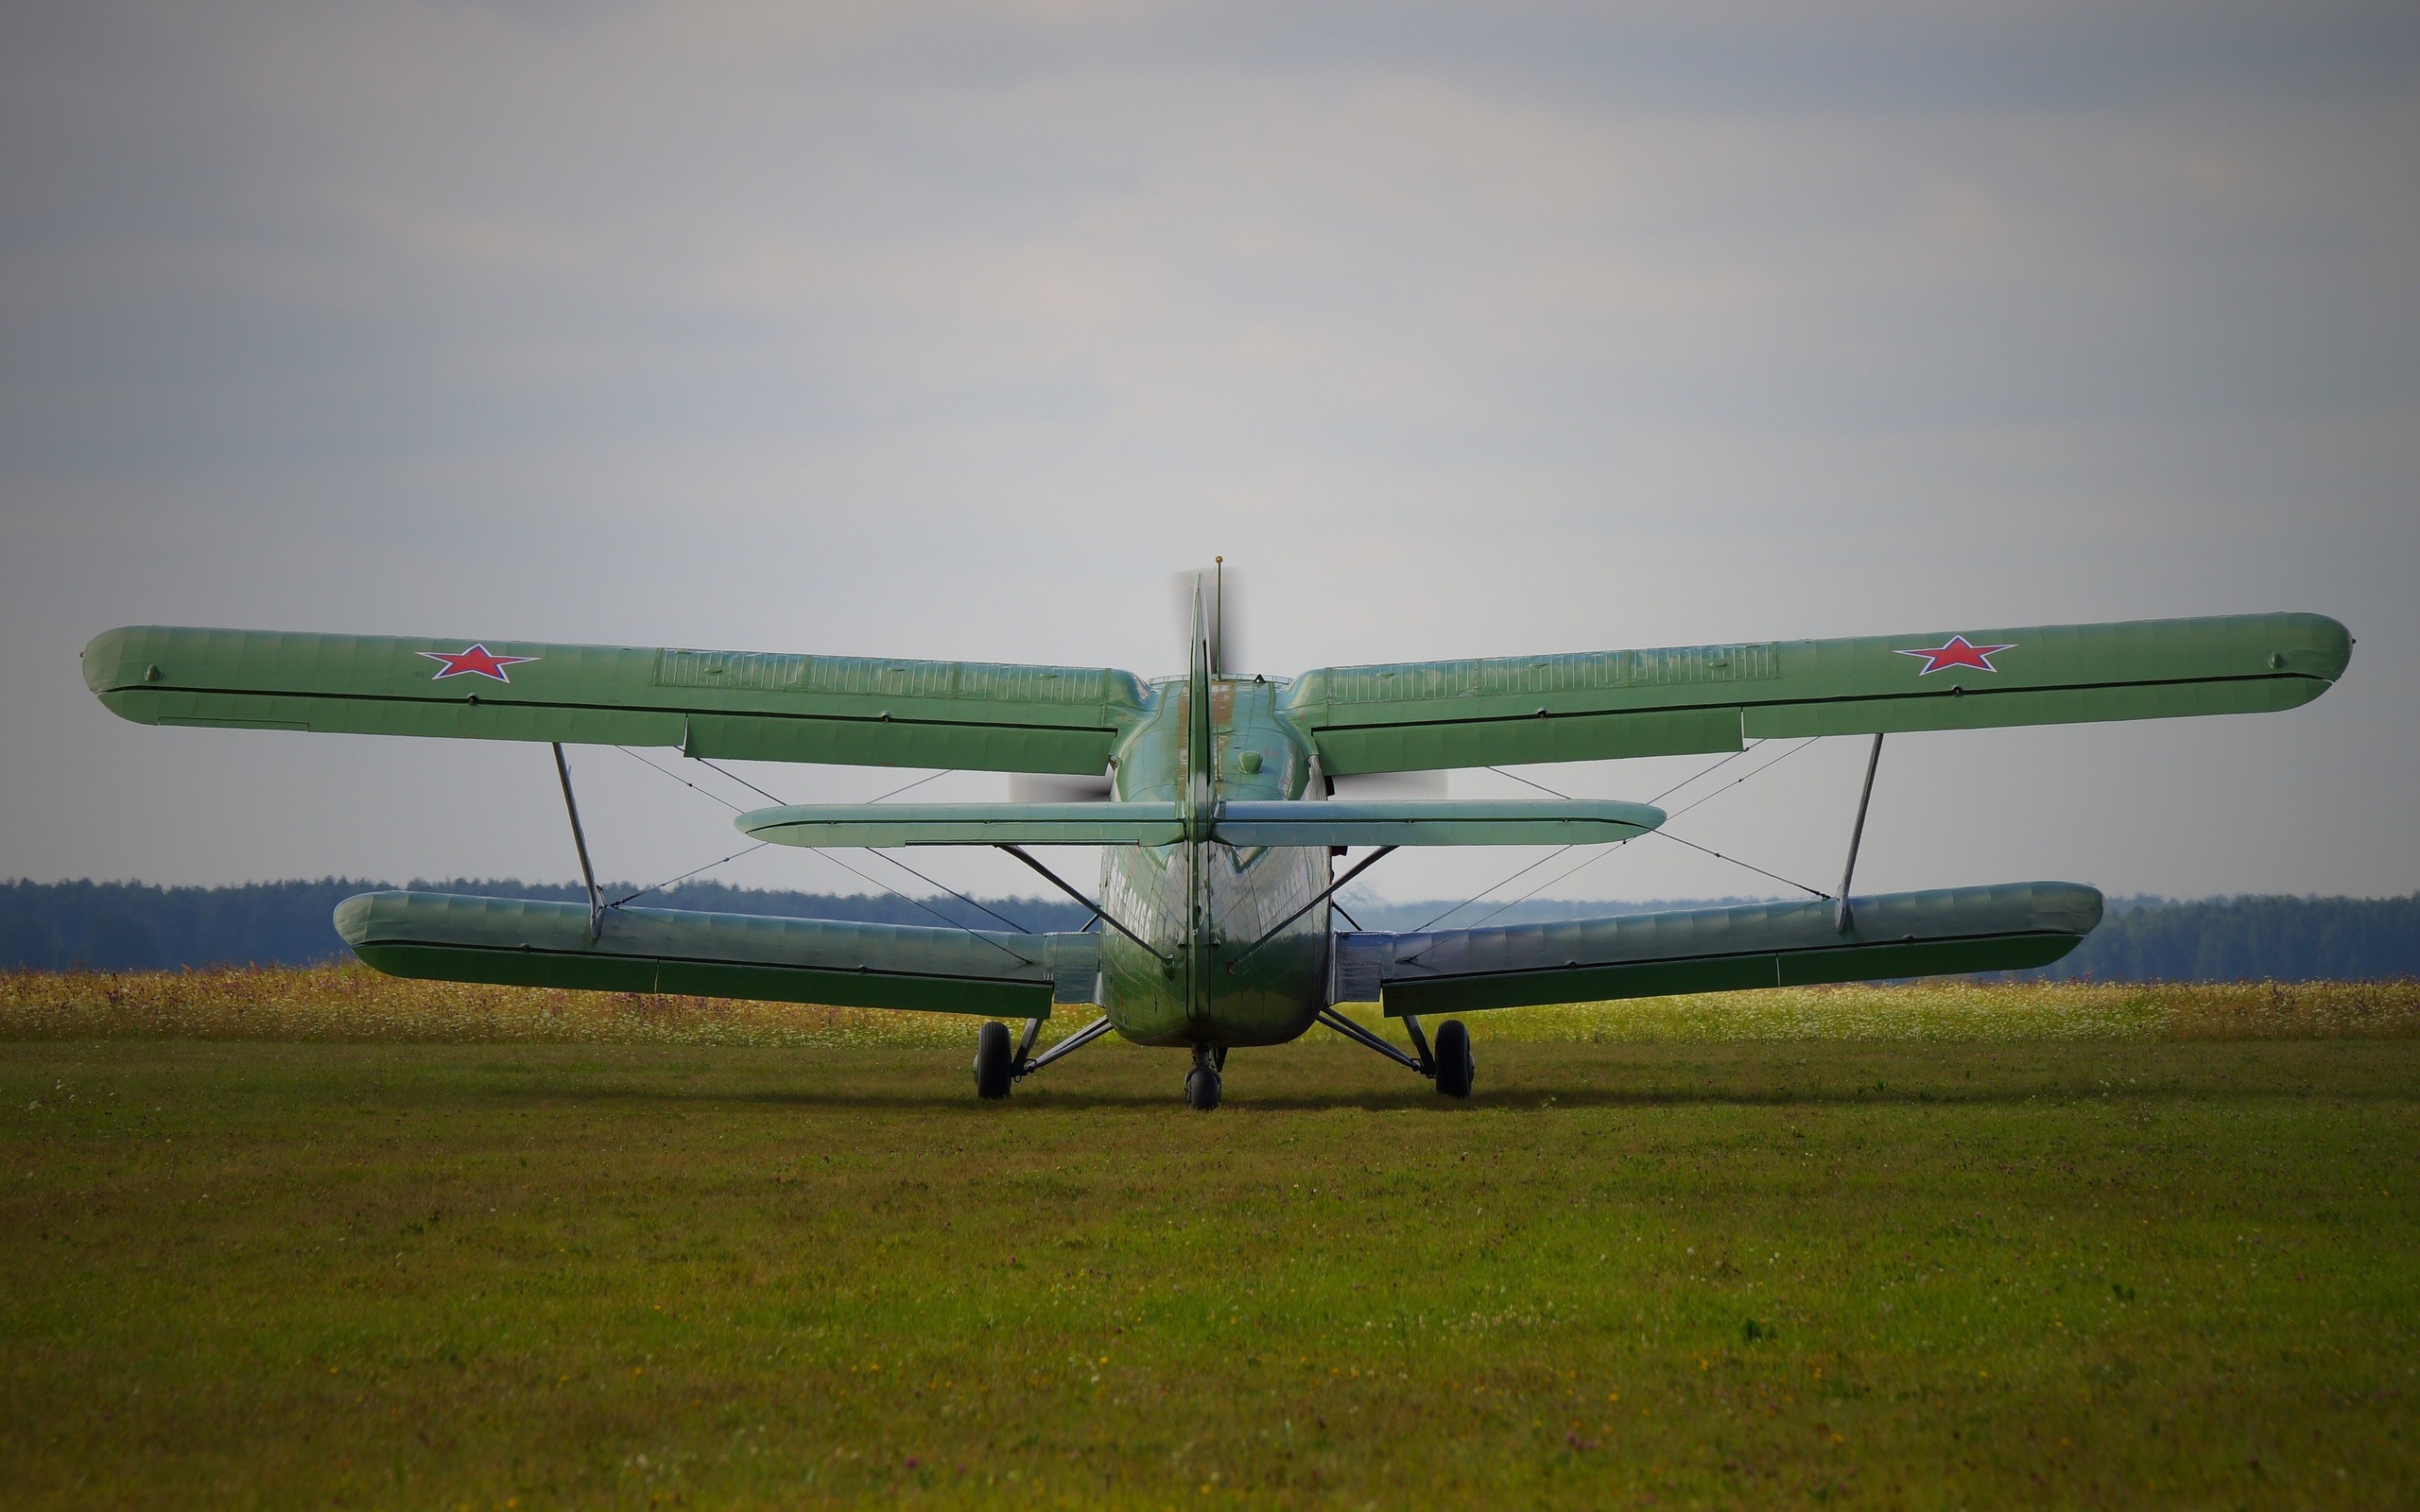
(521, 942)
(752, 705)
(1515, 821)
(1519, 821)
(2007, 927)
(888, 824)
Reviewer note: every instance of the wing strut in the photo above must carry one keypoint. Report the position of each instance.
(1027, 1066)
(1098, 912)
(1856, 835)
(580, 841)
(1365, 863)
(1426, 1065)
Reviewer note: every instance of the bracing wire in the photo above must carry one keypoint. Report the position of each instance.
(686, 875)
(918, 903)
(678, 777)
(735, 777)
(1708, 772)
(1483, 892)
(1618, 844)
(1550, 881)
(1736, 780)
(1525, 783)
(893, 860)
(693, 787)
(1676, 813)
(826, 855)
(946, 888)
(918, 782)
(1551, 855)
(1737, 862)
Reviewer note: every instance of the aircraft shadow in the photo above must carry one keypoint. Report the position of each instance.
(1418, 1097)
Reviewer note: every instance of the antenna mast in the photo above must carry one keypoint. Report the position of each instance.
(1217, 614)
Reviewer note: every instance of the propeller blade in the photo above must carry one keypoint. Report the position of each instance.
(1050, 787)
(1379, 787)
(1218, 587)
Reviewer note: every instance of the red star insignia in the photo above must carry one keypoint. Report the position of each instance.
(1959, 652)
(478, 660)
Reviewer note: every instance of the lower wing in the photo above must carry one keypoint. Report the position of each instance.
(2007, 927)
(521, 942)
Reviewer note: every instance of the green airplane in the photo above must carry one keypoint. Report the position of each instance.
(1218, 815)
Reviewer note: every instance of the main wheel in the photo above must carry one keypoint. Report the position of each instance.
(1201, 1089)
(1455, 1067)
(991, 1068)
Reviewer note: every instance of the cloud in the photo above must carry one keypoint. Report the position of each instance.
(952, 330)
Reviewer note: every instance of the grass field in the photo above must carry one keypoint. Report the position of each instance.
(1981, 1246)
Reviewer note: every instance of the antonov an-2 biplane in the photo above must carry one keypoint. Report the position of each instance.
(1217, 815)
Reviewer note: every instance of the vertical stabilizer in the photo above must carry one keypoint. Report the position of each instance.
(1201, 810)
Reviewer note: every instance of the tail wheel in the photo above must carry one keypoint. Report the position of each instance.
(1201, 1089)
(993, 1062)
(1455, 1067)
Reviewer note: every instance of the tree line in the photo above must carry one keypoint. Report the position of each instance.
(2249, 938)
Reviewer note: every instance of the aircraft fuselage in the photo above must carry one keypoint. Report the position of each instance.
(1201, 905)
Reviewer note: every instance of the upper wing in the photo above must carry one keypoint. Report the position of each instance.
(762, 706)
(523, 942)
(2007, 927)
(1589, 706)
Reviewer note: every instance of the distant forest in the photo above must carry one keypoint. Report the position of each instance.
(2256, 939)
(126, 926)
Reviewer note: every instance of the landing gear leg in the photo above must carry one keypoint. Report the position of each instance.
(999, 1064)
(1450, 1061)
(1201, 1087)
(994, 1062)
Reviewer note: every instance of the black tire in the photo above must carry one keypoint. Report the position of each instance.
(991, 1068)
(1455, 1068)
(1201, 1089)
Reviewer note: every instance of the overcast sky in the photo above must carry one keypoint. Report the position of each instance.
(939, 331)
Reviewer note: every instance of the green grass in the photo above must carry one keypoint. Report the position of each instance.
(1883, 1272)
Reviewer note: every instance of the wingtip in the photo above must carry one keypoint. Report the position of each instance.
(354, 916)
(105, 655)
(2336, 646)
